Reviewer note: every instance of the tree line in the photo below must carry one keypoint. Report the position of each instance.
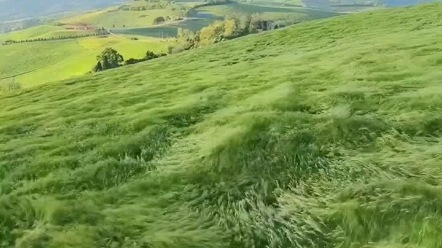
(9, 42)
(229, 28)
(110, 59)
(212, 3)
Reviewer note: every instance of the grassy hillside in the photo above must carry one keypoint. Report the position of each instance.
(168, 30)
(29, 33)
(44, 31)
(114, 16)
(325, 134)
(31, 63)
(267, 11)
(18, 9)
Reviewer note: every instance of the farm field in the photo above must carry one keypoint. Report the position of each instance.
(323, 134)
(109, 17)
(267, 11)
(29, 33)
(44, 31)
(42, 62)
(168, 30)
(66, 33)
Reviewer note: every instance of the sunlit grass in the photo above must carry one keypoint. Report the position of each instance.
(118, 19)
(31, 63)
(266, 11)
(29, 33)
(325, 134)
(66, 33)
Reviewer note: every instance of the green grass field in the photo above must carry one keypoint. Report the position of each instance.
(169, 30)
(31, 63)
(29, 33)
(66, 33)
(109, 17)
(43, 31)
(267, 11)
(324, 134)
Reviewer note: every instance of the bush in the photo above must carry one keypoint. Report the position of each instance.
(159, 20)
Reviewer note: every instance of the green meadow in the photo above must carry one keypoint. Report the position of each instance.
(167, 30)
(40, 62)
(114, 18)
(29, 33)
(267, 11)
(324, 134)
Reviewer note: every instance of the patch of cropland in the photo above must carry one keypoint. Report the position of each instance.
(19, 9)
(29, 33)
(167, 30)
(134, 14)
(30, 63)
(271, 11)
(324, 134)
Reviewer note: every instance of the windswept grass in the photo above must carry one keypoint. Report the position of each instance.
(326, 134)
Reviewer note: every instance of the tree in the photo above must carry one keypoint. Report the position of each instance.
(150, 55)
(230, 27)
(97, 67)
(159, 20)
(110, 58)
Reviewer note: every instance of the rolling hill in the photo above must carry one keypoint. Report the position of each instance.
(357, 4)
(324, 134)
(19, 9)
(30, 63)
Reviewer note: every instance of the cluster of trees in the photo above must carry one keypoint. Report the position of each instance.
(181, 9)
(110, 58)
(213, 2)
(160, 19)
(9, 42)
(229, 28)
(149, 56)
(152, 6)
(157, 5)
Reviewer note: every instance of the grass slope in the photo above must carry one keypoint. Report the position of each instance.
(30, 33)
(43, 31)
(326, 134)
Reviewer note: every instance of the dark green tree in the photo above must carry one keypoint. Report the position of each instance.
(150, 55)
(97, 67)
(110, 58)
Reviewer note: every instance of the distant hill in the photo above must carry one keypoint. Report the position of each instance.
(333, 5)
(20, 9)
(405, 2)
